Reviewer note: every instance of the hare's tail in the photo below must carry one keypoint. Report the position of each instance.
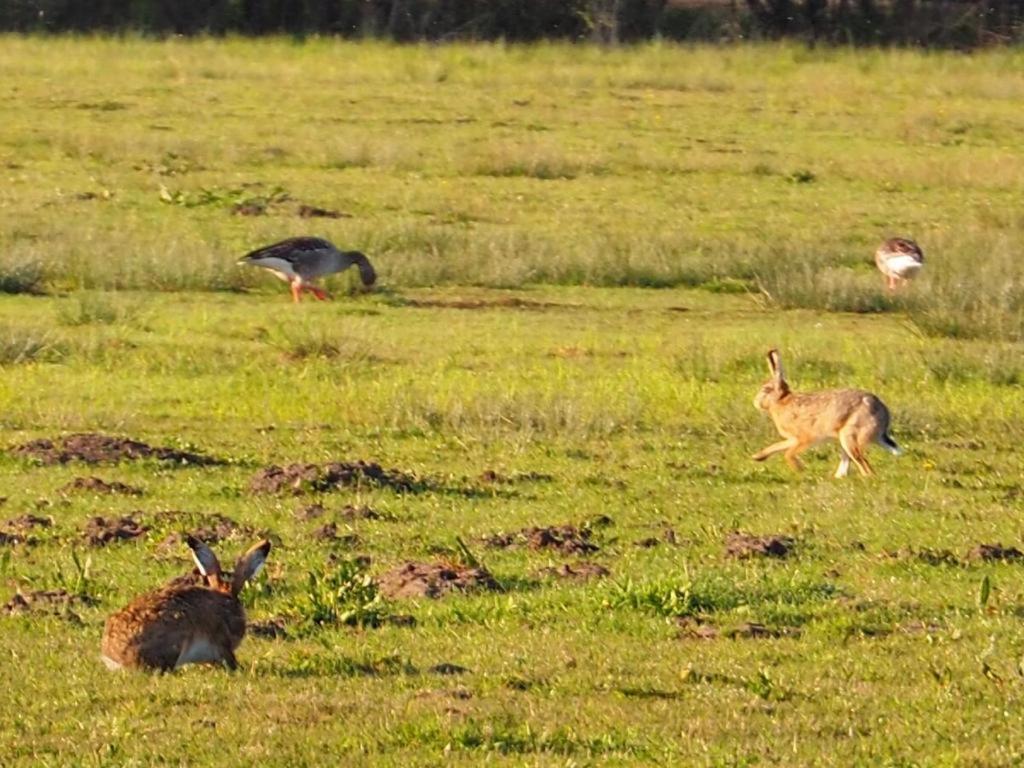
(889, 444)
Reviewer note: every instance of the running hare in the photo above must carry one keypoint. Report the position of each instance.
(183, 622)
(854, 417)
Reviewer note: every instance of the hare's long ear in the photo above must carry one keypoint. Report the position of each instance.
(775, 364)
(206, 561)
(249, 565)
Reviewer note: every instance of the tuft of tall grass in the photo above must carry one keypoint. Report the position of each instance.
(22, 276)
(25, 345)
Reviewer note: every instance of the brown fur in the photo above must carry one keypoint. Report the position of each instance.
(852, 416)
(184, 622)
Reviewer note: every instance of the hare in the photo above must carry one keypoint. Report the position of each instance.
(854, 417)
(184, 622)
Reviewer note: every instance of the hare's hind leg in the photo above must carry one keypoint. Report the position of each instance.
(844, 462)
(851, 445)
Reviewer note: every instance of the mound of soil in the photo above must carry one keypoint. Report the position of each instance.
(502, 302)
(349, 512)
(492, 477)
(99, 532)
(447, 668)
(434, 580)
(55, 601)
(329, 532)
(313, 212)
(102, 449)
(924, 555)
(694, 629)
(567, 539)
(269, 628)
(210, 529)
(750, 630)
(17, 530)
(581, 571)
(26, 523)
(96, 485)
(990, 552)
(303, 478)
(744, 545)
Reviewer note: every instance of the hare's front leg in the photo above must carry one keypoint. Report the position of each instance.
(771, 450)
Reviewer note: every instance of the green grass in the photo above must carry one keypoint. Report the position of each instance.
(772, 169)
(521, 205)
(589, 402)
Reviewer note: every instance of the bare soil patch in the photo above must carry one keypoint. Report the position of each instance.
(305, 478)
(18, 530)
(493, 477)
(313, 212)
(504, 302)
(99, 531)
(210, 528)
(329, 532)
(272, 628)
(994, 552)
(745, 545)
(97, 485)
(348, 512)
(584, 570)
(94, 448)
(435, 580)
(924, 555)
(567, 539)
(52, 601)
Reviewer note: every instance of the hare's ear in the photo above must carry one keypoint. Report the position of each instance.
(249, 565)
(206, 561)
(775, 364)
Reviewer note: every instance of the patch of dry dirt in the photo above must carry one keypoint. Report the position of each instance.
(210, 528)
(18, 530)
(924, 555)
(567, 539)
(434, 580)
(502, 302)
(329, 532)
(97, 485)
(313, 212)
(99, 531)
(493, 477)
(272, 628)
(992, 552)
(744, 545)
(102, 449)
(304, 478)
(52, 601)
(581, 571)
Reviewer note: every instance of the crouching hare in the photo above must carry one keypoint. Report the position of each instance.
(184, 623)
(852, 416)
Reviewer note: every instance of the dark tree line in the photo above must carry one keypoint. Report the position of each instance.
(946, 23)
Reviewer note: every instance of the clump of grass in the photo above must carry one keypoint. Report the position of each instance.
(340, 594)
(22, 277)
(306, 342)
(718, 593)
(89, 308)
(24, 345)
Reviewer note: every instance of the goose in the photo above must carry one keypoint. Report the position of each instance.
(899, 259)
(301, 260)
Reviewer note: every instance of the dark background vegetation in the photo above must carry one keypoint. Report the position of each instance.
(938, 23)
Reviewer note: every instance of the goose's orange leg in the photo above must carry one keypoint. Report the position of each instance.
(320, 293)
(296, 292)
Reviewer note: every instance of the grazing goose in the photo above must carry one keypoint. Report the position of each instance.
(899, 260)
(301, 260)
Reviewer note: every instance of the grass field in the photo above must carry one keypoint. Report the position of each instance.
(518, 362)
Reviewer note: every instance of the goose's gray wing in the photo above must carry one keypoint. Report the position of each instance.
(308, 257)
